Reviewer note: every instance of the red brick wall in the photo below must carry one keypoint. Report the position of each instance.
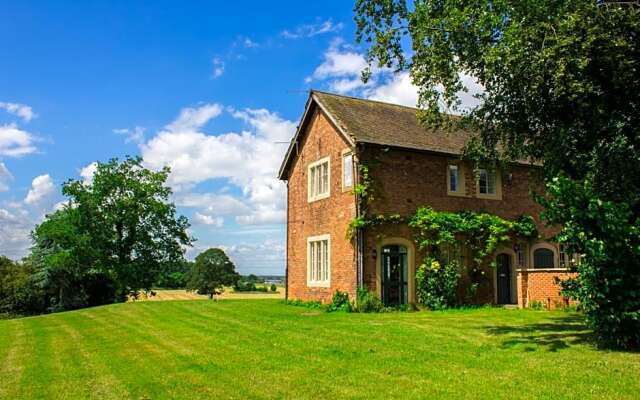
(540, 285)
(326, 216)
(404, 180)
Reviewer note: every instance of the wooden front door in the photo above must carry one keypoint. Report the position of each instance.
(394, 275)
(503, 272)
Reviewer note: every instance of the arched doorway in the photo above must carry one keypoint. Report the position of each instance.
(395, 277)
(503, 278)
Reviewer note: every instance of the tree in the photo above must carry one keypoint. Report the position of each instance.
(211, 272)
(19, 292)
(117, 231)
(173, 276)
(561, 88)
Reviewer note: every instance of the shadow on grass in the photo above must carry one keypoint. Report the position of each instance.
(559, 334)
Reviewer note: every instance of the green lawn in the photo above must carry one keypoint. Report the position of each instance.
(265, 349)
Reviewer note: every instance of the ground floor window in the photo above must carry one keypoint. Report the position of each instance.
(543, 258)
(319, 261)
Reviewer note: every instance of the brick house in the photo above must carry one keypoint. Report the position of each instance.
(413, 167)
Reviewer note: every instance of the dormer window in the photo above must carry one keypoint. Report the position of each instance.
(319, 179)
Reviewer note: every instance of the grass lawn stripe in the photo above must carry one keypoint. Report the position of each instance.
(13, 344)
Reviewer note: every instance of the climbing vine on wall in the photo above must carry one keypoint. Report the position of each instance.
(445, 237)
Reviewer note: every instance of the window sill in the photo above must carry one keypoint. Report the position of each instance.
(318, 284)
(457, 194)
(313, 199)
(488, 196)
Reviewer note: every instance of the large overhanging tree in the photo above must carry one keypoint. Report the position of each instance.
(561, 85)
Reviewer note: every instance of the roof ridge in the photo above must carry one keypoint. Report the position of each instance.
(363, 99)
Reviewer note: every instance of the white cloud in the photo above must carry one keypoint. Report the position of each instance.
(15, 142)
(218, 68)
(15, 227)
(5, 177)
(87, 172)
(249, 160)
(397, 90)
(41, 187)
(135, 135)
(310, 30)
(20, 110)
(341, 71)
(203, 219)
(192, 119)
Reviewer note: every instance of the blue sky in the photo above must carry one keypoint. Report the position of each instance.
(209, 88)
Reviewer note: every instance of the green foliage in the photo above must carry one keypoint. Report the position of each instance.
(115, 234)
(211, 272)
(364, 188)
(248, 286)
(561, 87)
(363, 222)
(340, 302)
(19, 291)
(273, 288)
(312, 304)
(436, 284)
(481, 233)
(537, 305)
(367, 302)
(173, 276)
(607, 233)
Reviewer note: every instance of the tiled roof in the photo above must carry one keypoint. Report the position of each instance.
(368, 121)
(375, 122)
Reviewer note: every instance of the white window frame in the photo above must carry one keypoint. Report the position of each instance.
(311, 196)
(325, 279)
(345, 154)
(497, 195)
(460, 183)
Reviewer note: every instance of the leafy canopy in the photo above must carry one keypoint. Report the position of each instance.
(121, 226)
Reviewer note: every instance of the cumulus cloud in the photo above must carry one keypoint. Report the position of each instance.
(41, 188)
(397, 90)
(310, 30)
(20, 110)
(15, 142)
(5, 177)
(87, 172)
(135, 135)
(15, 227)
(218, 68)
(249, 160)
(341, 71)
(193, 118)
(210, 220)
(341, 66)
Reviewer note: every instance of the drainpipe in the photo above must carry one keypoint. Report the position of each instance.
(286, 251)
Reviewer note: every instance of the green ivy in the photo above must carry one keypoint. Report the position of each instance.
(443, 236)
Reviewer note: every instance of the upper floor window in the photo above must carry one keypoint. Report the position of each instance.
(347, 170)
(454, 179)
(487, 182)
(319, 179)
(319, 261)
(543, 258)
